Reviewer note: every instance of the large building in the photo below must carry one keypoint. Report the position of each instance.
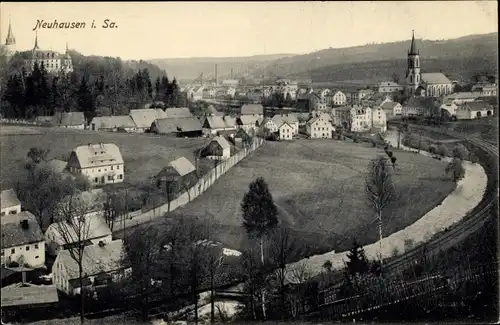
(433, 84)
(52, 61)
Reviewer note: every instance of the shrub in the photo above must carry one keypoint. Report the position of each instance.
(460, 152)
(393, 161)
(432, 149)
(374, 144)
(389, 153)
(442, 150)
(456, 169)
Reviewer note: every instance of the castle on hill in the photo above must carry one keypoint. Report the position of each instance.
(54, 62)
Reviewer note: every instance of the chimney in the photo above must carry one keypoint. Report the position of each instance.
(216, 80)
(231, 73)
(101, 243)
(24, 224)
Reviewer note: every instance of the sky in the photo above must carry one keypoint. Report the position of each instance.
(148, 30)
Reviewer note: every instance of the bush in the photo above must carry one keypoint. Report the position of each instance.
(442, 150)
(389, 154)
(456, 169)
(460, 152)
(374, 144)
(432, 149)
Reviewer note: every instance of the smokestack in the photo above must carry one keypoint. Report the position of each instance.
(231, 73)
(216, 80)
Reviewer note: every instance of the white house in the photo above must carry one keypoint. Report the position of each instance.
(101, 263)
(62, 234)
(469, 111)
(450, 108)
(9, 202)
(338, 98)
(319, 128)
(70, 120)
(462, 97)
(22, 240)
(324, 94)
(291, 119)
(485, 88)
(270, 125)
(392, 109)
(361, 119)
(101, 163)
(389, 87)
(231, 91)
(286, 131)
(379, 120)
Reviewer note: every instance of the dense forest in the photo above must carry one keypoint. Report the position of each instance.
(97, 86)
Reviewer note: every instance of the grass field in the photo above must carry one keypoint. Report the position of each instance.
(318, 186)
(144, 154)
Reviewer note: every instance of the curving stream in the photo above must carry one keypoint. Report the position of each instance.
(467, 195)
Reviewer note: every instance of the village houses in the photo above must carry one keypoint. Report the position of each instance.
(113, 123)
(379, 120)
(101, 264)
(389, 87)
(69, 120)
(9, 202)
(392, 109)
(22, 240)
(249, 122)
(213, 125)
(338, 98)
(320, 127)
(218, 148)
(143, 118)
(101, 163)
(473, 110)
(291, 119)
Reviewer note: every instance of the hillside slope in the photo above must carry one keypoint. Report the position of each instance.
(458, 50)
(190, 68)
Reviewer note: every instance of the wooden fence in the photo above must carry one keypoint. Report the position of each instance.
(204, 183)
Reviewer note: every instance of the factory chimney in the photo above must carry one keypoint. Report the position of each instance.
(231, 73)
(216, 80)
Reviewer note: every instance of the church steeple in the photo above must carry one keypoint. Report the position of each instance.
(11, 40)
(413, 47)
(36, 42)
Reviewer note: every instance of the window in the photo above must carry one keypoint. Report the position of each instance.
(27, 248)
(120, 176)
(36, 246)
(12, 212)
(111, 167)
(13, 251)
(99, 170)
(118, 167)
(3, 213)
(36, 256)
(96, 180)
(2, 252)
(110, 178)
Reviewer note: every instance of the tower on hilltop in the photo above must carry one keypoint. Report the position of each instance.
(10, 42)
(413, 77)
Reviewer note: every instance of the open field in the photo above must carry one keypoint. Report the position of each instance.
(144, 154)
(318, 186)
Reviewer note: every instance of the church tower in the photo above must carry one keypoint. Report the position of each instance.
(413, 70)
(10, 43)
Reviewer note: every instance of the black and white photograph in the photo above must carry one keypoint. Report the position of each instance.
(280, 162)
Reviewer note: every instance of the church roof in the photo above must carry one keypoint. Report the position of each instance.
(435, 78)
(413, 46)
(10, 40)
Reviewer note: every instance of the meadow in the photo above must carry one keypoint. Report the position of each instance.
(318, 186)
(144, 154)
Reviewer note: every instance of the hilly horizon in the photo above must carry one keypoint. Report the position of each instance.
(308, 65)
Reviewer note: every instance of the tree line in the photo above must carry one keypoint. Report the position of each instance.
(95, 87)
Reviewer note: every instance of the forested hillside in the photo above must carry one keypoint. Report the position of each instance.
(474, 52)
(97, 86)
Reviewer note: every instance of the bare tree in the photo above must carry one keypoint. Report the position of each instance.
(114, 208)
(143, 250)
(73, 225)
(379, 190)
(282, 248)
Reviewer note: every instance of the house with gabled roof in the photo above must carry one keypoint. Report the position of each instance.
(213, 124)
(309, 102)
(320, 127)
(179, 173)
(179, 127)
(22, 240)
(69, 120)
(102, 263)
(113, 123)
(269, 125)
(218, 148)
(101, 163)
(249, 122)
(286, 131)
(473, 110)
(177, 112)
(143, 118)
(292, 120)
(9, 202)
(392, 108)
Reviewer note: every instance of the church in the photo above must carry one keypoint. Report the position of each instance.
(433, 84)
(53, 61)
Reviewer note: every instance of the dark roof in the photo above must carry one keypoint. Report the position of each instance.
(174, 125)
(413, 46)
(70, 118)
(422, 102)
(14, 235)
(16, 295)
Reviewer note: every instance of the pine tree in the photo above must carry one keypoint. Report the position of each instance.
(357, 262)
(85, 99)
(260, 215)
(157, 88)
(174, 93)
